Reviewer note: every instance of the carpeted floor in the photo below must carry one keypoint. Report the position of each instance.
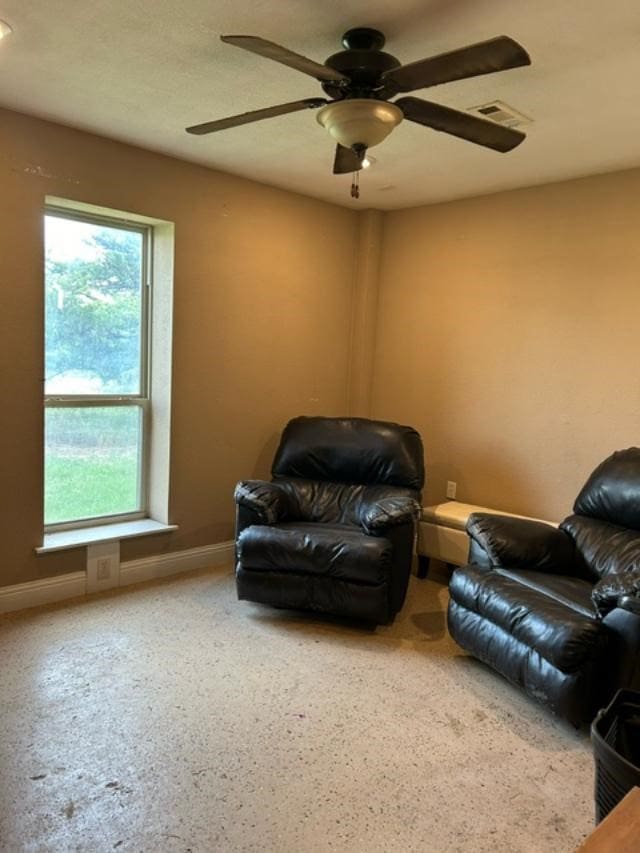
(170, 717)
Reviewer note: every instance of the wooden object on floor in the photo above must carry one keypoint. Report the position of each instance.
(619, 832)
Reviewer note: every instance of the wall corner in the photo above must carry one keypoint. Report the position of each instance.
(364, 311)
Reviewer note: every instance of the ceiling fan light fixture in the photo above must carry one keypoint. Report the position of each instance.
(359, 121)
(5, 29)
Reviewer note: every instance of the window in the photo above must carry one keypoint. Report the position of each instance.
(97, 369)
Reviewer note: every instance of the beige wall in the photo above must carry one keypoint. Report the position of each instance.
(506, 330)
(508, 333)
(263, 294)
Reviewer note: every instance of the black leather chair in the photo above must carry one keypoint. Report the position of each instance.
(553, 610)
(334, 530)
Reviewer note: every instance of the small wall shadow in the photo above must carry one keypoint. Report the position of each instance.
(262, 466)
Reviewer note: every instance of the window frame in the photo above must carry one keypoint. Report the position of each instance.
(140, 400)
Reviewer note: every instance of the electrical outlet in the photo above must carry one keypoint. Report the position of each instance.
(103, 568)
(103, 565)
(451, 490)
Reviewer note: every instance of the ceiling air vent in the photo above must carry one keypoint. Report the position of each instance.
(501, 113)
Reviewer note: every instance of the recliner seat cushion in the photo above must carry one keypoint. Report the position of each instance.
(338, 551)
(560, 634)
(572, 592)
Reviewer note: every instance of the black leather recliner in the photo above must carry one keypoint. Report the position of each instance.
(556, 611)
(334, 530)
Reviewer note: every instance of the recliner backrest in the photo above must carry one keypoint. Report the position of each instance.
(612, 492)
(350, 450)
(605, 525)
(602, 548)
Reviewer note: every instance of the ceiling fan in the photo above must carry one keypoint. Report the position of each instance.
(362, 78)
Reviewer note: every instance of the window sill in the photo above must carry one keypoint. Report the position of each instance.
(65, 539)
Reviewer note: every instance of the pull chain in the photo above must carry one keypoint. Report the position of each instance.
(355, 185)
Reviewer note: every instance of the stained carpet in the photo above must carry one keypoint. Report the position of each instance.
(171, 717)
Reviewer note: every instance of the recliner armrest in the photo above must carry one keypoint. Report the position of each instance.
(520, 543)
(388, 512)
(621, 589)
(267, 500)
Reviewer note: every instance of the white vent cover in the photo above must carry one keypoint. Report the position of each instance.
(501, 113)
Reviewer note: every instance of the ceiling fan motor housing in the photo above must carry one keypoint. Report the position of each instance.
(363, 62)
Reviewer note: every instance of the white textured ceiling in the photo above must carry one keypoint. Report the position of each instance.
(140, 71)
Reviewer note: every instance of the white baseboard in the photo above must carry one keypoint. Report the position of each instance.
(45, 591)
(163, 565)
(49, 590)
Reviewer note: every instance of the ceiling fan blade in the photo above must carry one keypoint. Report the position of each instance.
(347, 160)
(256, 115)
(485, 57)
(463, 125)
(270, 50)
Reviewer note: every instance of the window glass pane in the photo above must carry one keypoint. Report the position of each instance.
(92, 461)
(93, 283)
